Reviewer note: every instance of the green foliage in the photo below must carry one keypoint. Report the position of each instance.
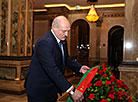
(104, 87)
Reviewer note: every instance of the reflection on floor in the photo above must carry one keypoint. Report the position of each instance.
(4, 97)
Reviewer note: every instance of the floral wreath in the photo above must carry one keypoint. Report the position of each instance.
(104, 87)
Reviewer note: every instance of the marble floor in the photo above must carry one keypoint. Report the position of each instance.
(5, 97)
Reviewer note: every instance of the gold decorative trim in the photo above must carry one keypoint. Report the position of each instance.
(39, 10)
(84, 7)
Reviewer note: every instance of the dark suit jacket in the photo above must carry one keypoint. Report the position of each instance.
(45, 77)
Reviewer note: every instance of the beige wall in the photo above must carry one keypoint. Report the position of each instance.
(108, 23)
(99, 35)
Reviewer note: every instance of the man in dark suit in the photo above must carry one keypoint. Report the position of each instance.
(45, 77)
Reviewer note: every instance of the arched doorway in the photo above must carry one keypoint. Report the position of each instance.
(115, 47)
(80, 41)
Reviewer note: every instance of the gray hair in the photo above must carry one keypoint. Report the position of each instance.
(56, 22)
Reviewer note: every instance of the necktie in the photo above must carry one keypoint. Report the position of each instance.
(61, 48)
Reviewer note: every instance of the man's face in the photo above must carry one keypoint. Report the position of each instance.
(62, 31)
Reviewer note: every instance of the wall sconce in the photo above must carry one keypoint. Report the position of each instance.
(92, 15)
(128, 45)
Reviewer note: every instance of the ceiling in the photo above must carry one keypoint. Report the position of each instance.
(39, 4)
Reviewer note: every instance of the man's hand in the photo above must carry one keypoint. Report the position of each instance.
(77, 96)
(84, 69)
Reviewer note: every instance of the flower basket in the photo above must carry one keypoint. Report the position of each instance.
(100, 85)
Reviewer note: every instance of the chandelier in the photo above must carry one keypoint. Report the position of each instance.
(92, 15)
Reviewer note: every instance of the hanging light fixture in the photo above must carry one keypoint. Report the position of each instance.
(92, 15)
(92, 1)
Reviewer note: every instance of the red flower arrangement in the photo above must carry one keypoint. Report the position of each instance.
(104, 87)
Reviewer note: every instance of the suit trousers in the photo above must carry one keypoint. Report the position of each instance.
(40, 99)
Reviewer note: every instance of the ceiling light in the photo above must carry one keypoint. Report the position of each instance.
(92, 15)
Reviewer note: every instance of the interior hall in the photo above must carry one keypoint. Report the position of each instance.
(111, 38)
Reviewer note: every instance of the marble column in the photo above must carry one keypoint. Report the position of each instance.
(129, 67)
(131, 31)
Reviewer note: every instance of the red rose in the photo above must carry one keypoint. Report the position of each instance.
(112, 91)
(120, 83)
(104, 100)
(99, 84)
(105, 75)
(130, 99)
(103, 65)
(111, 96)
(108, 83)
(104, 69)
(119, 86)
(112, 78)
(91, 96)
(112, 73)
(126, 87)
(109, 71)
(100, 72)
(120, 93)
